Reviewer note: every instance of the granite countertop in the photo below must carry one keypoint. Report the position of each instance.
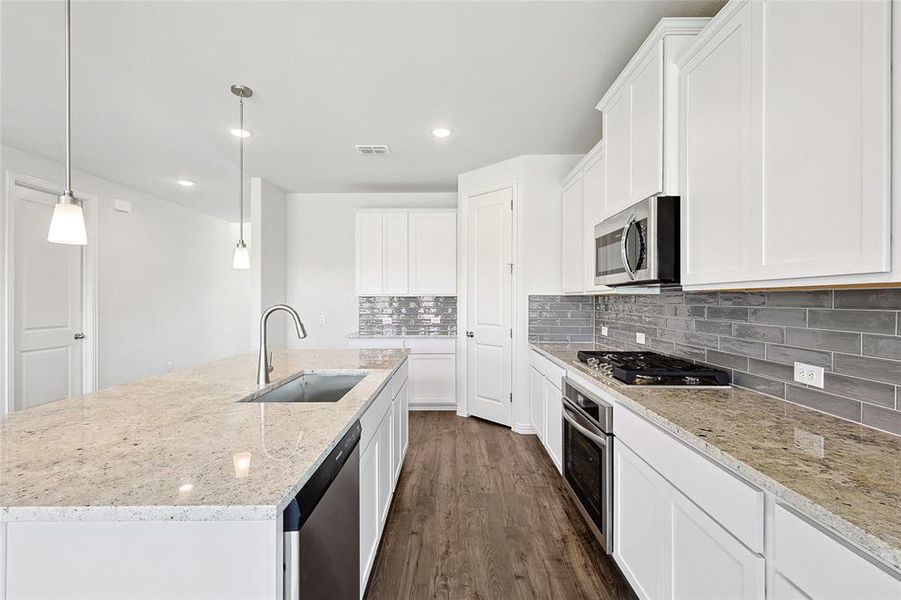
(356, 335)
(164, 448)
(852, 486)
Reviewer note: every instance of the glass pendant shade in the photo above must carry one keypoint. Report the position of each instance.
(241, 260)
(67, 225)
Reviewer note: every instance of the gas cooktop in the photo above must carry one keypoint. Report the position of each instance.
(651, 368)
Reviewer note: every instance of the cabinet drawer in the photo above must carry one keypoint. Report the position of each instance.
(400, 377)
(552, 372)
(822, 567)
(736, 505)
(374, 414)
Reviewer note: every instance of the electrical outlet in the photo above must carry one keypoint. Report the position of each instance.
(322, 319)
(809, 374)
(387, 321)
(604, 331)
(435, 319)
(640, 338)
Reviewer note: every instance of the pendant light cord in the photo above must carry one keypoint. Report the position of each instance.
(241, 163)
(68, 101)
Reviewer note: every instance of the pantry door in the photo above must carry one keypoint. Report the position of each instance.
(46, 334)
(490, 305)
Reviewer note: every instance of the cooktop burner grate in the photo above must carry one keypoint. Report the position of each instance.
(651, 368)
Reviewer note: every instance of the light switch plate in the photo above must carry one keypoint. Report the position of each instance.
(810, 374)
(604, 330)
(640, 338)
(435, 320)
(122, 205)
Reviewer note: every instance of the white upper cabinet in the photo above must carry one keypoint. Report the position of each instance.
(433, 253)
(594, 203)
(786, 133)
(641, 118)
(395, 243)
(571, 206)
(406, 252)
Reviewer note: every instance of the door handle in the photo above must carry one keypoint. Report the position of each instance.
(470, 334)
(79, 336)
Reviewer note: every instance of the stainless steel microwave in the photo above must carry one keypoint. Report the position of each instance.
(640, 245)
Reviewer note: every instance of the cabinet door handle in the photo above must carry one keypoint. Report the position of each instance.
(470, 334)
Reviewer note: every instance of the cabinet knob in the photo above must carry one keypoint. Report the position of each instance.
(470, 334)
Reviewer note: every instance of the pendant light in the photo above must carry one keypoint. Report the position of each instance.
(241, 259)
(67, 223)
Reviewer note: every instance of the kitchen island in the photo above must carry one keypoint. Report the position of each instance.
(170, 486)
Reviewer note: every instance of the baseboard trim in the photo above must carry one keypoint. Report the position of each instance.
(523, 429)
(448, 406)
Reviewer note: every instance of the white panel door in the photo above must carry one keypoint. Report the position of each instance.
(594, 203)
(571, 220)
(396, 256)
(716, 124)
(536, 401)
(433, 253)
(369, 508)
(826, 189)
(490, 306)
(640, 538)
(704, 561)
(433, 380)
(370, 252)
(553, 423)
(47, 356)
(646, 95)
(617, 132)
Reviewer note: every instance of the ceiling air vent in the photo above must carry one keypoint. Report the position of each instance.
(372, 149)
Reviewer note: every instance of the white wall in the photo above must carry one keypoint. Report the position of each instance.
(268, 261)
(321, 258)
(167, 291)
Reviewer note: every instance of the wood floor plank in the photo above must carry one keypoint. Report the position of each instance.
(481, 512)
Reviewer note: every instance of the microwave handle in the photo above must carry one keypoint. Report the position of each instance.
(622, 247)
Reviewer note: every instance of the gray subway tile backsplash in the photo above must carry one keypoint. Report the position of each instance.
(854, 334)
(388, 316)
(551, 319)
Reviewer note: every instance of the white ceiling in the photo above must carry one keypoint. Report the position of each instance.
(151, 101)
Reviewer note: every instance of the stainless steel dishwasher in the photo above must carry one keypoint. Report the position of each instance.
(322, 528)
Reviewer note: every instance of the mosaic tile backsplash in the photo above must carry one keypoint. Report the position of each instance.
(561, 319)
(389, 316)
(855, 335)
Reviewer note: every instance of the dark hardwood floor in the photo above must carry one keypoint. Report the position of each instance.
(481, 512)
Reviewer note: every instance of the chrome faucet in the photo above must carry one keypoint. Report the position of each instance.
(263, 363)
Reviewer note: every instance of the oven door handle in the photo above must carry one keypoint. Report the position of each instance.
(597, 439)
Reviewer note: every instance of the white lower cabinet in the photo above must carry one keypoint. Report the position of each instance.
(383, 447)
(668, 547)
(553, 425)
(536, 401)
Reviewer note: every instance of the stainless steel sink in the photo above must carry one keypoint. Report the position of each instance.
(311, 387)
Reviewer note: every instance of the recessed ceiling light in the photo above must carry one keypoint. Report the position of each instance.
(186, 183)
(441, 132)
(240, 133)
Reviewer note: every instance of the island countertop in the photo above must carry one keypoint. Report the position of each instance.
(853, 486)
(164, 448)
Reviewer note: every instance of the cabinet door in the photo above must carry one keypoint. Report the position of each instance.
(432, 380)
(716, 129)
(405, 419)
(433, 253)
(704, 560)
(639, 522)
(396, 257)
(385, 470)
(553, 426)
(594, 189)
(617, 125)
(369, 508)
(536, 401)
(826, 193)
(571, 219)
(397, 441)
(369, 253)
(646, 135)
